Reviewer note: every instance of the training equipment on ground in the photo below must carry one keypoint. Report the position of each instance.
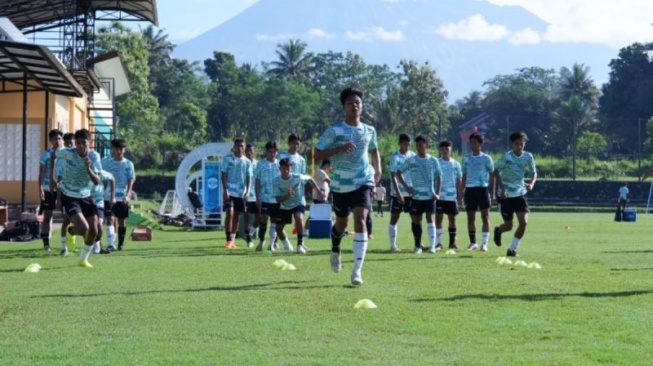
(365, 304)
(33, 268)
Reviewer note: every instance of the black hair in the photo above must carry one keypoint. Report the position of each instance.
(518, 135)
(55, 133)
(284, 162)
(325, 162)
(476, 136)
(445, 143)
(271, 145)
(422, 138)
(119, 143)
(68, 136)
(239, 140)
(249, 146)
(404, 137)
(83, 134)
(293, 137)
(345, 94)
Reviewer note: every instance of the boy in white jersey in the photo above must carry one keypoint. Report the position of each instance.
(236, 181)
(477, 169)
(297, 162)
(509, 175)
(266, 172)
(98, 196)
(450, 198)
(251, 223)
(48, 197)
(122, 170)
(399, 197)
(289, 192)
(425, 173)
(67, 240)
(348, 145)
(622, 200)
(80, 173)
(379, 197)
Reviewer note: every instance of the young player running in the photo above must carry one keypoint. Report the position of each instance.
(264, 175)
(122, 170)
(399, 197)
(509, 175)
(48, 197)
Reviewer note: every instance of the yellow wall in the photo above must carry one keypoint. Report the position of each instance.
(65, 113)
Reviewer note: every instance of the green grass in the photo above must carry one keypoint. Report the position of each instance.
(183, 299)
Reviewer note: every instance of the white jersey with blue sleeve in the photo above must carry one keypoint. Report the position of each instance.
(478, 169)
(76, 182)
(451, 172)
(45, 160)
(296, 182)
(397, 160)
(252, 187)
(352, 170)
(266, 172)
(512, 169)
(297, 162)
(99, 190)
(122, 171)
(424, 172)
(237, 170)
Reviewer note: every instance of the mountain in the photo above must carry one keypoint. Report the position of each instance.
(466, 41)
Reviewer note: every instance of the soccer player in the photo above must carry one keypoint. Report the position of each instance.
(48, 197)
(426, 175)
(67, 240)
(236, 181)
(509, 175)
(477, 168)
(81, 171)
(399, 197)
(321, 177)
(252, 207)
(266, 172)
(289, 192)
(122, 170)
(379, 196)
(98, 196)
(622, 200)
(348, 145)
(450, 199)
(297, 162)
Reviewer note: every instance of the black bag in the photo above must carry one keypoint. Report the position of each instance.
(21, 232)
(618, 215)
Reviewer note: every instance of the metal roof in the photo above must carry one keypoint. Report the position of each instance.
(44, 71)
(27, 13)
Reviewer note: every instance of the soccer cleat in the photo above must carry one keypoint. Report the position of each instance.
(250, 244)
(259, 247)
(64, 252)
(484, 248)
(85, 264)
(512, 253)
(336, 263)
(120, 247)
(287, 247)
(46, 248)
(497, 236)
(432, 249)
(453, 246)
(301, 249)
(356, 278)
(105, 250)
(110, 249)
(230, 245)
(394, 249)
(418, 250)
(472, 246)
(438, 247)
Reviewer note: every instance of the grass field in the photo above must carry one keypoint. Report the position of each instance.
(184, 300)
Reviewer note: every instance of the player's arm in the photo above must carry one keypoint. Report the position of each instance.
(328, 153)
(400, 178)
(53, 161)
(248, 182)
(223, 178)
(438, 186)
(112, 185)
(459, 190)
(130, 186)
(257, 190)
(531, 184)
(376, 163)
(497, 183)
(320, 194)
(42, 174)
(90, 165)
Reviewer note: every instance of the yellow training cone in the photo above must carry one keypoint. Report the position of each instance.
(500, 259)
(288, 267)
(534, 266)
(33, 268)
(450, 252)
(521, 264)
(505, 261)
(365, 304)
(279, 263)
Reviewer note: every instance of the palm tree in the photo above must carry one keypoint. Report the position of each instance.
(293, 60)
(159, 47)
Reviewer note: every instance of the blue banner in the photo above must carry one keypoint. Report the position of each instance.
(212, 187)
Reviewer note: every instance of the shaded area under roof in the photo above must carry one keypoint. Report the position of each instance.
(27, 13)
(44, 71)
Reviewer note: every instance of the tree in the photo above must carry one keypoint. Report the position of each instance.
(591, 144)
(293, 61)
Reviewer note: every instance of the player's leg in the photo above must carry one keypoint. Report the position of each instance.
(121, 212)
(360, 205)
(47, 205)
(298, 214)
(485, 205)
(228, 208)
(439, 216)
(429, 213)
(395, 213)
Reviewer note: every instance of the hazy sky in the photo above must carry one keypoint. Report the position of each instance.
(611, 22)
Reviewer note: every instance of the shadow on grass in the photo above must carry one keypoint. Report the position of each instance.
(272, 286)
(536, 297)
(26, 253)
(631, 269)
(629, 251)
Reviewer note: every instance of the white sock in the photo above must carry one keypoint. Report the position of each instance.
(485, 238)
(287, 243)
(111, 235)
(392, 233)
(63, 242)
(515, 243)
(430, 228)
(438, 235)
(96, 247)
(86, 251)
(360, 247)
(273, 233)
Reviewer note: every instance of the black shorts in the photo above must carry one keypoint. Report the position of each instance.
(120, 210)
(344, 203)
(477, 198)
(418, 207)
(72, 206)
(252, 208)
(108, 209)
(511, 205)
(446, 207)
(100, 212)
(285, 216)
(235, 203)
(49, 201)
(317, 202)
(269, 209)
(395, 207)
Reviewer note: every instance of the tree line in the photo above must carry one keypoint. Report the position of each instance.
(176, 105)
